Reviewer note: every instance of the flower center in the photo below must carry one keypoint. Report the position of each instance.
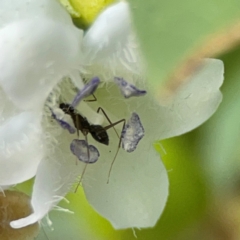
(75, 116)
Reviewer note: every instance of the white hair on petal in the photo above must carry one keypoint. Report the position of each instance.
(61, 209)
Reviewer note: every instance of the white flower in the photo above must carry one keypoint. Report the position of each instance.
(39, 47)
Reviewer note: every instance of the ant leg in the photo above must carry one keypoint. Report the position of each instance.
(119, 144)
(106, 116)
(85, 167)
(77, 126)
(111, 125)
(91, 100)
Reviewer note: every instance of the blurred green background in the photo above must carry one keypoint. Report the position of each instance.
(203, 165)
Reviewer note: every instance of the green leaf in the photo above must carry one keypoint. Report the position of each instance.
(171, 30)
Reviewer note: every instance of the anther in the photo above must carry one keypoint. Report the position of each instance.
(132, 133)
(64, 120)
(87, 90)
(128, 90)
(84, 152)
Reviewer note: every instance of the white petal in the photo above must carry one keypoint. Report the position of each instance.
(194, 103)
(110, 46)
(192, 106)
(55, 176)
(20, 147)
(138, 187)
(16, 10)
(35, 54)
(123, 200)
(137, 191)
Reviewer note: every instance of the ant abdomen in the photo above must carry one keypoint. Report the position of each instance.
(99, 134)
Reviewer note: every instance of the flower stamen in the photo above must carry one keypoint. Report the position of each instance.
(87, 90)
(80, 149)
(64, 120)
(132, 133)
(128, 90)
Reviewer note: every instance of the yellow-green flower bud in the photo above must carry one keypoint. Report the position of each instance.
(84, 12)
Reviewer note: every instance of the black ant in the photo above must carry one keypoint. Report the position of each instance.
(131, 133)
(98, 132)
(81, 123)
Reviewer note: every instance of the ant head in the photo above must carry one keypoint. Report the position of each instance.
(67, 108)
